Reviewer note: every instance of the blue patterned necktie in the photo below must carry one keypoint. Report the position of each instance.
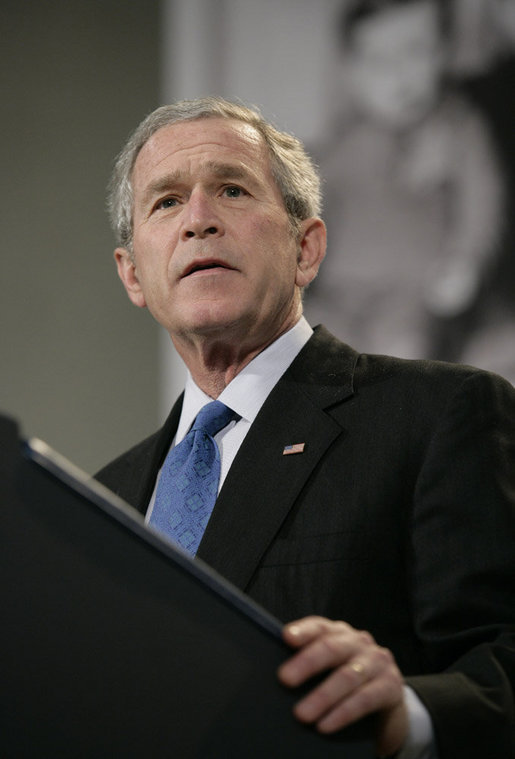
(188, 485)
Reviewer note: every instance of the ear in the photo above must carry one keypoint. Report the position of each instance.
(127, 273)
(312, 247)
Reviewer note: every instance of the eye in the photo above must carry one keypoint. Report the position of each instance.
(233, 191)
(165, 203)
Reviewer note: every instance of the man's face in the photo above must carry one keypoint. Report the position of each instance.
(396, 63)
(214, 252)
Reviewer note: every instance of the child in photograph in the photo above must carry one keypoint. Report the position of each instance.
(413, 190)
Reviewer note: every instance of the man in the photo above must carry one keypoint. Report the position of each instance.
(395, 512)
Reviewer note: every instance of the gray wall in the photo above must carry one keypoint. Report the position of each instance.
(78, 361)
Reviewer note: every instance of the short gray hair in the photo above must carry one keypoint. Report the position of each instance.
(292, 168)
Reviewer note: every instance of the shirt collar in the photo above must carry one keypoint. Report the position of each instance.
(247, 392)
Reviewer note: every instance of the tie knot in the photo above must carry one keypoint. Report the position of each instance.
(213, 417)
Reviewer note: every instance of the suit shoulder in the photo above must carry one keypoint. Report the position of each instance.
(372, 368)
(427, 388)
(328, 361)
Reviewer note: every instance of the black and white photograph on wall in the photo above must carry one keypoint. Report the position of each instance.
(417, 156)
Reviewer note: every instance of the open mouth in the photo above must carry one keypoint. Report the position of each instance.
(205, 266)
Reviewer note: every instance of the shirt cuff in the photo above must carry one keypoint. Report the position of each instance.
(420, 742)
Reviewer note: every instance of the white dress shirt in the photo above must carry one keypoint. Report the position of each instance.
(245, 394)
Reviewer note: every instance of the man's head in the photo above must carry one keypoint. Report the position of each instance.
(218, 240)
(293, 170)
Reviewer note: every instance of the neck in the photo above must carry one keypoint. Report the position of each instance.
(215, 360)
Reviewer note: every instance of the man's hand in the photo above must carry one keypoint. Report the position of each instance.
(363, 678)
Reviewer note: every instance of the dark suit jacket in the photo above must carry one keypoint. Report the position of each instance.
(398, 517)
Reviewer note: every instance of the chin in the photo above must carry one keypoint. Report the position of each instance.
(211, 321)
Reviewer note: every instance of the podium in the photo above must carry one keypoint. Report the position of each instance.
(117, 644)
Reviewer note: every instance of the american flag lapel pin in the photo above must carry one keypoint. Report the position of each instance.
(296, 448)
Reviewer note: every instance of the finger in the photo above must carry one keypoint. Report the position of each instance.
(304, 630)
(328, 650)
(375, 695)
(338, 686)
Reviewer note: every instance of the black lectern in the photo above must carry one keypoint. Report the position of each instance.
(115, 644)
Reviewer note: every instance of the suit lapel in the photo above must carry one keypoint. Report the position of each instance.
(140, 480)
(263, 484)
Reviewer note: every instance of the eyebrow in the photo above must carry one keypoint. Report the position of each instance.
(228, 171)
(225, 171)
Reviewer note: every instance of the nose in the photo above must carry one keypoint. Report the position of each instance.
(201, 219)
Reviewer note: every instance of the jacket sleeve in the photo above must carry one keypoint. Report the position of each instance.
(462, 560)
